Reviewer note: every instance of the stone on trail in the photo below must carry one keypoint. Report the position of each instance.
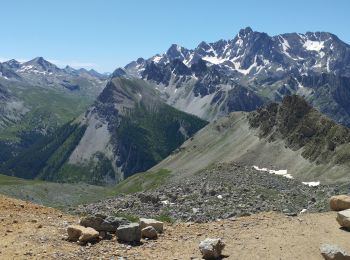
(343, 218)
(339, 202)
(149, 232)
(100, 223)
(146, 222)
(333, 252)
(83, 234)
(129, 233)
(211, 248)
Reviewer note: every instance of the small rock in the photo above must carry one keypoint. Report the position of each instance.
(146, 222)
(339, 202)
(129, 233)
(343, 218)
(211, 248)
(333, 252)
(149, 232)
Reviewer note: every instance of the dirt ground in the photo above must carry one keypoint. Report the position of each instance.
(29, 231)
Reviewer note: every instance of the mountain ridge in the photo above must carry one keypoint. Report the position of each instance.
(269, 67)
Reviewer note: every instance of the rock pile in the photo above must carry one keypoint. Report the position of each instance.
(223, 191)
(97, 227)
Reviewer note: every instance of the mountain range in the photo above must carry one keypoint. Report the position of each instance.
(139, 116)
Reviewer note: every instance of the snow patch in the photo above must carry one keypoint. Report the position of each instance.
(283, 173)
(311, 183)
(313, 45)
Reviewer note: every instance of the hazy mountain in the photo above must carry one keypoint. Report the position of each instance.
(36, 98)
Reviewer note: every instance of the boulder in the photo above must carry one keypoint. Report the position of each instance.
(74, 232)
(211, 248)
(83, 234)
(339, 202)
(101, 223)
(129, 233)
(157, 225)
(343, 218)
(89, 234)
(333, 252)
(149, 232)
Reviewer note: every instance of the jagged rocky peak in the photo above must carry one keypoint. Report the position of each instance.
(176, 52)
(119, 72)
(13, 64)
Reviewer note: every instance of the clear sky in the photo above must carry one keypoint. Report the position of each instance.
(106, 34)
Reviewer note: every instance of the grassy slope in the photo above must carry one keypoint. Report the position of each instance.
(52, 194)
(63, 195)
(231, 139)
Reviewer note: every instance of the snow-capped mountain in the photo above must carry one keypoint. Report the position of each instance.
(253, 53)
(253, 67)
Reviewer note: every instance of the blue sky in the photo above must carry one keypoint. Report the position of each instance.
(106, 34)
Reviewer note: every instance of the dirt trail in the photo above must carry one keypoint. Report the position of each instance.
(29, 231)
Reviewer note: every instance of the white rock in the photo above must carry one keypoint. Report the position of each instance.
(211, 248)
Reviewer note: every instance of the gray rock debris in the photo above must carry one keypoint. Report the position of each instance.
(333, 252)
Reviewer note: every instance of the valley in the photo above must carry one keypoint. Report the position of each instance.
(246, 139)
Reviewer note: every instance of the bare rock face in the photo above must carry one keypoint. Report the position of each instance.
(339, 202)
(211, 248)
(129, 233)
(333, 252)
(157, 225)
(343, 218)
(149, 232)
(83, 234)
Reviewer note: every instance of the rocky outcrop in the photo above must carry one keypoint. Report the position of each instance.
(302, 127)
